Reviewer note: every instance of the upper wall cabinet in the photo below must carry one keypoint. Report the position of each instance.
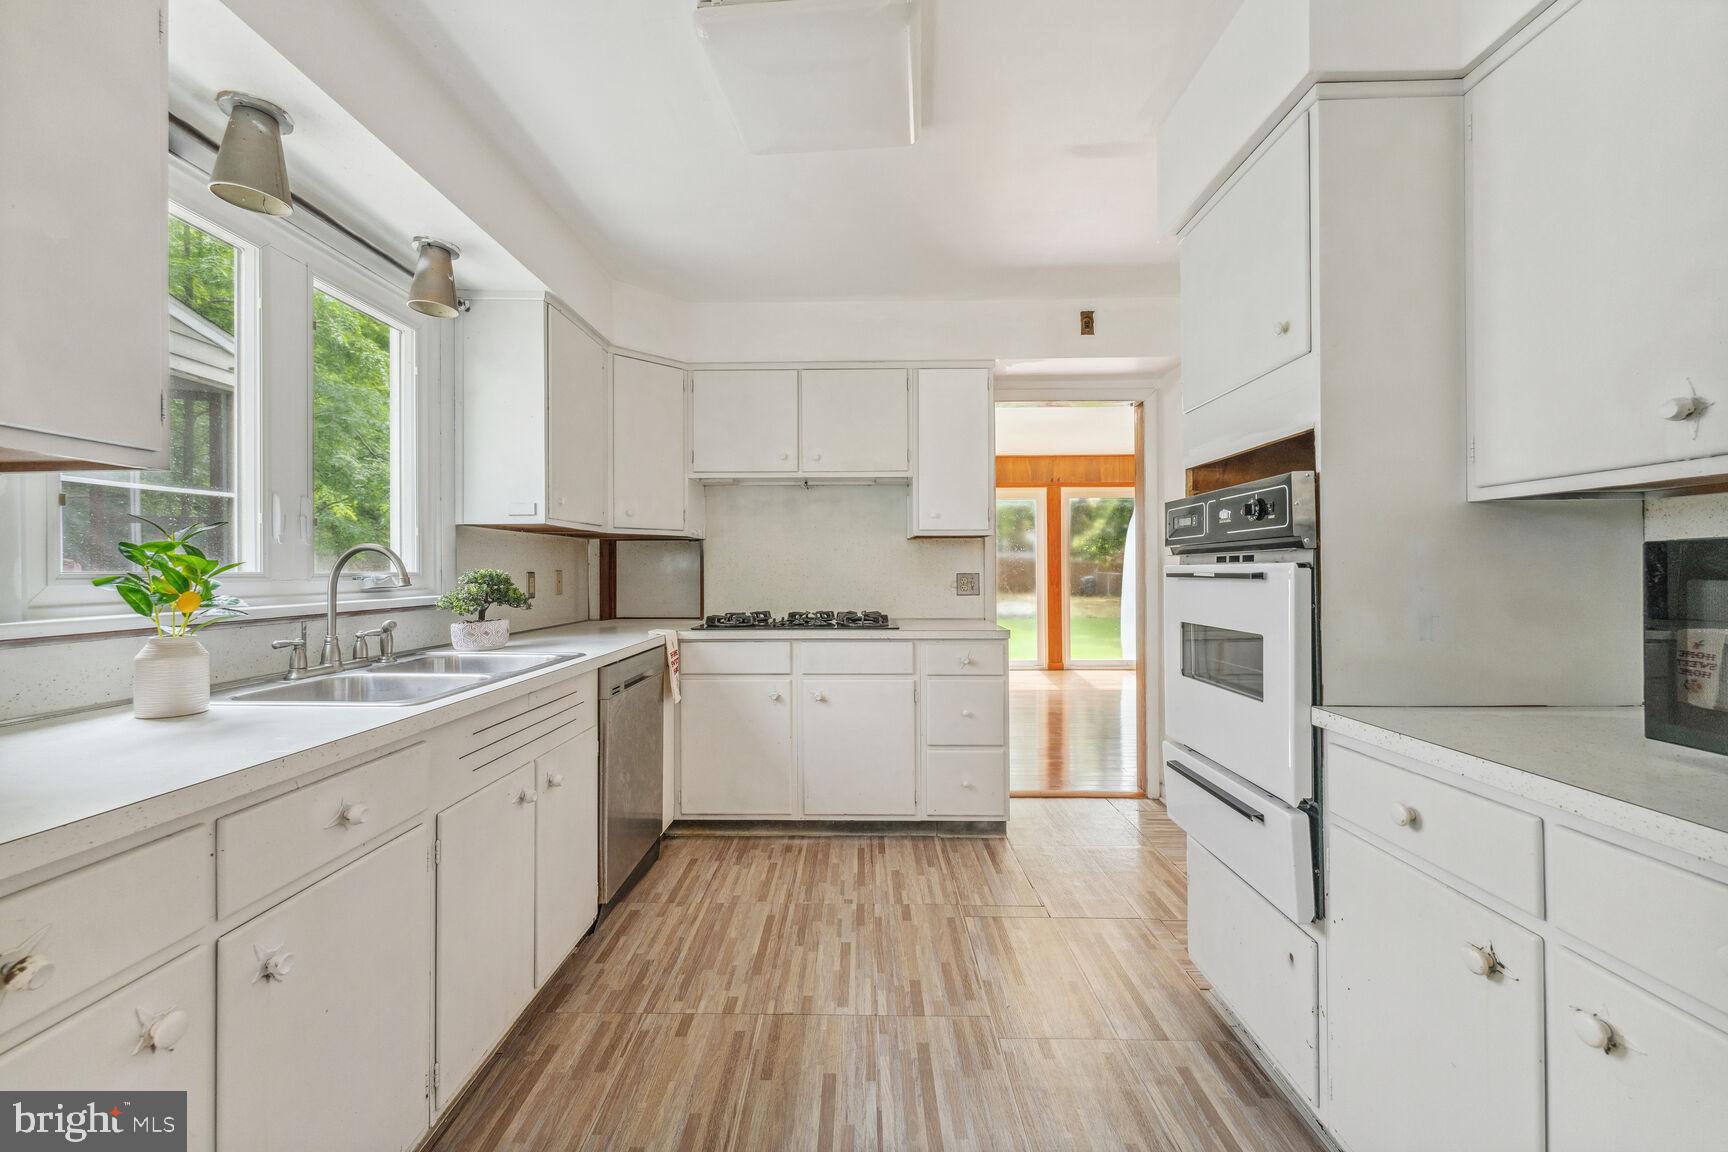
(1245, 275)
(853, 420)
(534, 417)
(1598, 253)
(83, 226)
(954, 484)
(650, 495)
(744, 422)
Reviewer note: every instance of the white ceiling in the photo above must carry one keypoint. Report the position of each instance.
(1033, 176)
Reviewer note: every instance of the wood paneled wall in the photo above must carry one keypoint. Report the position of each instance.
(1065, 471)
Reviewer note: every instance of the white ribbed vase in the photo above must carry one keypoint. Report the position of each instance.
(479, 635)
(170, 677)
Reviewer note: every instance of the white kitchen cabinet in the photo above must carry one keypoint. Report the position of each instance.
(534, 416)
(1626, 1070)
(566, 848)
(736, 739)
(954, 484)
(854, 420)
(323, 1028)
(650, 494)
(1434, 1012)
(157, 1034)
(1598, 252)
(744, 421)
(486, 860)
(84, 229)
(1245, 275)
(858, 746)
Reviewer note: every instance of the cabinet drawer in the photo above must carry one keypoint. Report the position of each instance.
(1659, 1082)
(94, 922)
(964, 657)
(107, 1047)
(966, 782)
(1668, 922)
(860, 657)
(735, 658)
(965, 711)
(1494, 847)
(262, 848)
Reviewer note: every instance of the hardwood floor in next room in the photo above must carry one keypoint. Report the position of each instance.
(1073, 730)
(1029, 991)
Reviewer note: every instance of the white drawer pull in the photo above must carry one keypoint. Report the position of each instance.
(1680, 408)
(1282, 328)
(966, 712)
(819, 697)
(1480, 961)
(1404, 816)
(966, 784)
(817, 456)
(1593, 1030)
(274, 965)
(774, 696)
(785, 455)
(160, 1031)
(965, 661)
(554, 779)
(526, 796)
(27, 973)
(351, 814)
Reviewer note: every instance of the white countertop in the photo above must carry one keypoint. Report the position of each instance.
(73, 782)
(902, 630)
(1591, 762)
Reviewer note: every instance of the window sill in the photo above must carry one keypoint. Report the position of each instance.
(128, 624)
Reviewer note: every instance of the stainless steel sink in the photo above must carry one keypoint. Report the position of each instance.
(490, 664)
(359, 687)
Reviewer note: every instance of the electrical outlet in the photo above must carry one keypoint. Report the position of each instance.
(1088, 323)
(557, 581)
(966, 584)
(530, 583)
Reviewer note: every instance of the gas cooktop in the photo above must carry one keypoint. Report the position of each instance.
(832, 621)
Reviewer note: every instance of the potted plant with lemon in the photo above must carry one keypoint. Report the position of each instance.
(173, 584)
(475, 592)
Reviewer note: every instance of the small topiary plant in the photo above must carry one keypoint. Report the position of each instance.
(480, 589)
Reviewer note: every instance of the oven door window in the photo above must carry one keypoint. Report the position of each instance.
(1224, 658)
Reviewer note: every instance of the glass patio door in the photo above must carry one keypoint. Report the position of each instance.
(1020, 584)
(1098, 533)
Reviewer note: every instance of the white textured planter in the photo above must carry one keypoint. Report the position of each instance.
(170, 677)
(479, 635)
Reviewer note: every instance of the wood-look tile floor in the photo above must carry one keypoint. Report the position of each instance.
(1073, 731)
(1031, 991)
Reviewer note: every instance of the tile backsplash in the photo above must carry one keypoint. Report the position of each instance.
(541, 553)
(1686, 517)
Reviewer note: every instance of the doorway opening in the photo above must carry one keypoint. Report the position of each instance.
(1069, 591)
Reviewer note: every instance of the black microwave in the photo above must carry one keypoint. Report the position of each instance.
(1686, 642)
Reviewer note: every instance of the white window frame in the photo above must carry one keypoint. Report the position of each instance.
(283, 261)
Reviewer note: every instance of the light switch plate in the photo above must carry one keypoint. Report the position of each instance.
(966, 584)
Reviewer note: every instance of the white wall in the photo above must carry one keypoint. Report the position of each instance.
(1051, 430)
(783, 546)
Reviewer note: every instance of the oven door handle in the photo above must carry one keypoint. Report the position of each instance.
(1215, 575)
(1217, 793)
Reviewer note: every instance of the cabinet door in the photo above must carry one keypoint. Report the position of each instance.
(485, 922)
(1598, 244)
(1626, 1070)
(567, 849)
(157, 1034)
(735, 738)
(575, 424)
(857, 747)
(1245, 280)
(744, 421)
(648, 482)
(854, 420)
(1465, 1069)
(323, 1011)
(954, 489)
(83, 324)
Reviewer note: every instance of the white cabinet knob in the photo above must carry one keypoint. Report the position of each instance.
(526, 796)
(965, 661)
(935, 515)
(819, 697)
(785, 455)
(160, 1031)
(1282, 328)
(774, 696)
(1593, 1030)
(1403, 815)
(554, 779)
(1680, 408)
(630, 512)
(274, 964)
(966, 712)
(816, 456)
(966, 784)
(1480, 961)
(352, 814)
(27, 973)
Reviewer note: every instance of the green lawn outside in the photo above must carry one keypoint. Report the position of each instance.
(1094, 624)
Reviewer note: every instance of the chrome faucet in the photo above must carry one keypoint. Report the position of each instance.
(331, 661)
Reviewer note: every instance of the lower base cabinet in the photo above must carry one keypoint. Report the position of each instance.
(157, 1034)
(736, 740)
(1626, 1070)
(486, 858)
(1434, 1009)
(567, 849)
(322, 1016)
(858, 747)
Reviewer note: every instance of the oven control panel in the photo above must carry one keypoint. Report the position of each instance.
(1279, 512)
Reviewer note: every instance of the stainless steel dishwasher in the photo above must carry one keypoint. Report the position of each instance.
(631, 757)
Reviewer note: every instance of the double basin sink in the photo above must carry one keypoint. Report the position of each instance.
(410, 680)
